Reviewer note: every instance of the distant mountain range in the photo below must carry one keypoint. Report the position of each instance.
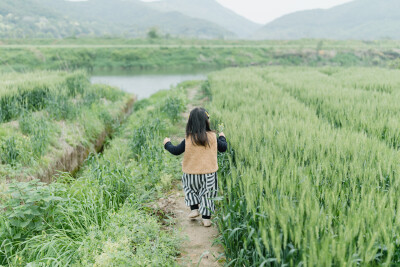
(128, 18)
(359, 19)
(209, 10)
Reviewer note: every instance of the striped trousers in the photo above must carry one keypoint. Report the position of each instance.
(200, 189)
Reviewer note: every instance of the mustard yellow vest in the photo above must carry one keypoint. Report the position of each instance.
(200, 159)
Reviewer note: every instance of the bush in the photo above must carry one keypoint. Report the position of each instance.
(173, 107)
(146, 134)
(12, 105)
(28, 207)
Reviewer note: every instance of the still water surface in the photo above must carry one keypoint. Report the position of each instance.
(145, 84)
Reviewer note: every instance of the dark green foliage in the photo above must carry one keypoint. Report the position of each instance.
(28, 206)
(31, 99)
(9, 151)
(8, 108)
(145, 135)
(153, 33)
(141, 104)
(173, 107)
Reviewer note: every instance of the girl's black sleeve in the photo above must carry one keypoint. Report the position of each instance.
(222, 144)
(175, 150)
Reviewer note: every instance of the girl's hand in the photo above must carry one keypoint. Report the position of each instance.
(221, 134)
(166, 140)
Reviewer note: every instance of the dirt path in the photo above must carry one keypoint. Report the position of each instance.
(198, 249)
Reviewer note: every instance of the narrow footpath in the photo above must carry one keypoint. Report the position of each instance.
(198, 248)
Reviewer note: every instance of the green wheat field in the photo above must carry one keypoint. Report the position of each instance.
(311, 176)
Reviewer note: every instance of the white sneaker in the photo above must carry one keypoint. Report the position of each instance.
(206, 222)
(193, 214)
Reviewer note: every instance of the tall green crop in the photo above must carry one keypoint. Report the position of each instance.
(300, 189)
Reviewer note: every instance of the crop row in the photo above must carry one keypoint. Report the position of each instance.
(369, 105)
(300, 190)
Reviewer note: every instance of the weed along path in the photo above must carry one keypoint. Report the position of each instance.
(198, 248)
(98, 217)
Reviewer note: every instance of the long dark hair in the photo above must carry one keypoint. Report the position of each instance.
(197, 127)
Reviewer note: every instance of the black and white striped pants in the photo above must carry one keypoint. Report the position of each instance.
(200, 189)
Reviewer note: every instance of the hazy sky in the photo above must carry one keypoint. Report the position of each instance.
(263, 11)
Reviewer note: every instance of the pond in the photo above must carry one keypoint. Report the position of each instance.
(144, 84)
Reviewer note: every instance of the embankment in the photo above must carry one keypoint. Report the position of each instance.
(73, 157)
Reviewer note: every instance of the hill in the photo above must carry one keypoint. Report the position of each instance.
(209, 10)
(360, 19)
(28, 18)
(59, 18)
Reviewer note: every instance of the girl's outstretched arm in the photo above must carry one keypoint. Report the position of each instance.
(175, 150)
(222, 144)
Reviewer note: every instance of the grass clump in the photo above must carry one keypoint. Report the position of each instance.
(101, 218)
(173, 107)
(10, 150)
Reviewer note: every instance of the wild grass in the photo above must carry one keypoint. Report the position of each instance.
(99, 218)
(140, 54)
(33, 106)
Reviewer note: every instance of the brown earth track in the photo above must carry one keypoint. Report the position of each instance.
(198, 248)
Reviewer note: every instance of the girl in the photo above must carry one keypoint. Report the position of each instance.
(200, 164)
